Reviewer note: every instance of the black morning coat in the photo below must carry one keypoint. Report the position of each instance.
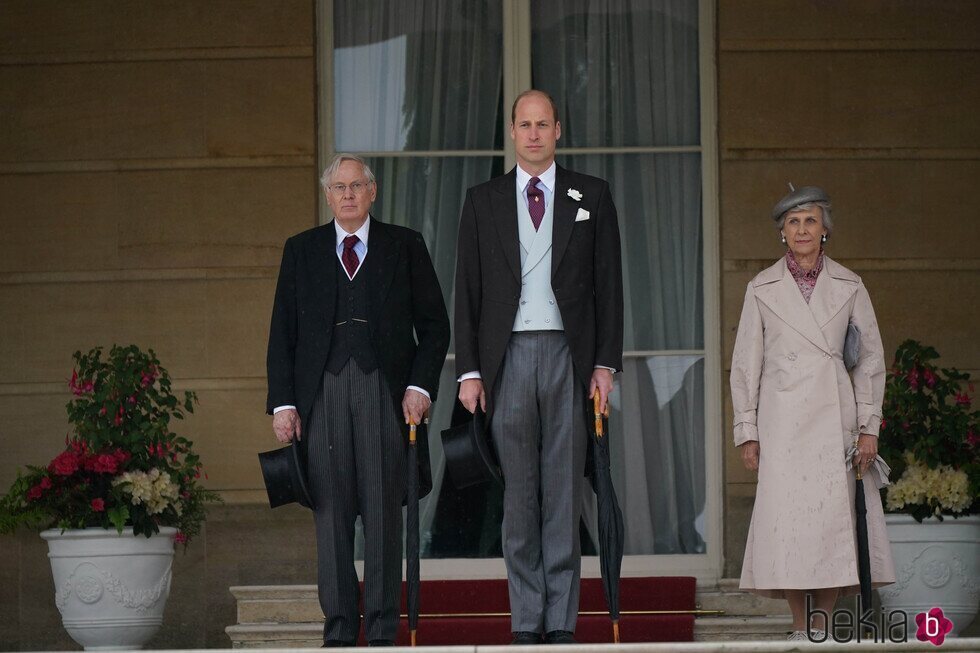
(405, 302)
(586, 275)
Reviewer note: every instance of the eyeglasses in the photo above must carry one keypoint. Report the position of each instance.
(356, 187)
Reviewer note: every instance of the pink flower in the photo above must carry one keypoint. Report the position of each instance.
(132, 399)
(180, 538)
(929, 377)
(972, 439)
(98, 505)
(45, 482)
(73, 384)
(102, 411)
(963, 399)
(912, 376)
(65, 464)
(34, 493)
(105, 463)
(884, 423)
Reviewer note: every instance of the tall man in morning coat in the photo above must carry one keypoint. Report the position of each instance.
(346, 374)
(539, 329)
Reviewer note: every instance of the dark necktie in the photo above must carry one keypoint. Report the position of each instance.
(349, 257)
(535, 202)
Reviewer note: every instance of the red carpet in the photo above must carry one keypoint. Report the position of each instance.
(482, 612)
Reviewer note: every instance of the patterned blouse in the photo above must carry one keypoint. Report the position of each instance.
(806, 280)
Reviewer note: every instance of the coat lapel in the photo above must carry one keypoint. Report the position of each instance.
(380, 265)
(776, 288)
(323, 268)
(504, 211)
(564, 218)
(835, 286)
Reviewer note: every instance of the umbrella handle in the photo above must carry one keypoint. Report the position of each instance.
(412, 634)
(616, 632)
(598, 414)
(412, 431)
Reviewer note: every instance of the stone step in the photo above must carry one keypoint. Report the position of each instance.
(726, 596)
(730, 629)
(283, 604)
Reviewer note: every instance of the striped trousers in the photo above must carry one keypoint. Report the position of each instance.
(538, 429)
(357, 458)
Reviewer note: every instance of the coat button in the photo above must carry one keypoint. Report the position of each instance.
(523, 302)
(547, 321)
(551, 301)
(791, 356)
(527, 321)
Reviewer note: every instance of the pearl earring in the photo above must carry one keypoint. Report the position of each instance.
(823, 238)
(783, 238)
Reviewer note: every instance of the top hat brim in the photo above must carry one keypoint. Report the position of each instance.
(469, 455)
(285, 477)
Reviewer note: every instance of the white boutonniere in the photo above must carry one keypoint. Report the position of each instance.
(575, 195)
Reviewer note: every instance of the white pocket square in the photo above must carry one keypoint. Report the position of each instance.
(581, 215)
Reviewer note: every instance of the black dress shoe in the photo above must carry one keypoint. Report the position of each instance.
(337, 643)
(522, 638)
(381, 642)
(559, 637)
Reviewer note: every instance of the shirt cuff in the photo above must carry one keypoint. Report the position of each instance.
(420, 391)
(279, 408)
(604, 367)
(470, 375)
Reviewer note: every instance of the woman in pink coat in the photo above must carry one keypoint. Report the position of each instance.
(797, 412)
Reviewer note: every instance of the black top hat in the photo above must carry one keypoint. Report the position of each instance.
(469, 455)
(285, 477)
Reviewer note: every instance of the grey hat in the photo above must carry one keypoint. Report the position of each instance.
(798, 196)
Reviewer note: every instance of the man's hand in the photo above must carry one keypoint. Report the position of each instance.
(286, 424)
(867, 449)
(750, 455)
(414, 405)
(471, 393)
(602, 380)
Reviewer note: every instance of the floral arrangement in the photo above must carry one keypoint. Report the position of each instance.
(930, 437)
(122, 465)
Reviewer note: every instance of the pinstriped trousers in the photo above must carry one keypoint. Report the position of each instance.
(357, 457)
(538, 429)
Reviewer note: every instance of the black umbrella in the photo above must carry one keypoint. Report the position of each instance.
(412, 534)
(864, 557)
(610, 517)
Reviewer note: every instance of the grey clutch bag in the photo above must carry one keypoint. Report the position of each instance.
(852, 346)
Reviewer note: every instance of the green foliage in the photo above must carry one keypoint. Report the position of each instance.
(927, 417)
(122, 465)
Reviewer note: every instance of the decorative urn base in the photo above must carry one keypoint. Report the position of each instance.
(937, 565)
(111, 588)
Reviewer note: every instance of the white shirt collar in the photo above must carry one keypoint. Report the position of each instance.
(361, 233)
(547, 177)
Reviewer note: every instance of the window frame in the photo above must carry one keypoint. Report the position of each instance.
(707, 567)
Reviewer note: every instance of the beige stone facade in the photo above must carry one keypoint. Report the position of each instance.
(154, 157)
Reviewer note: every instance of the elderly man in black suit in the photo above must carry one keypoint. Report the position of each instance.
(539, 327)
(358, 338)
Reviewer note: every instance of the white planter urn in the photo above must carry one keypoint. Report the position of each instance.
(937, 564)
(110, 588)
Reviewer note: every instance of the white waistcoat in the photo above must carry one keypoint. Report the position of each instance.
(538, 310)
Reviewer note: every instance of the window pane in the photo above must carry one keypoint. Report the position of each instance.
(658, 199)
(622, 73)
(657, 453)
(417, 75)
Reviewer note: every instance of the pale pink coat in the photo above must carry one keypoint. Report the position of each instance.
(791, 392)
